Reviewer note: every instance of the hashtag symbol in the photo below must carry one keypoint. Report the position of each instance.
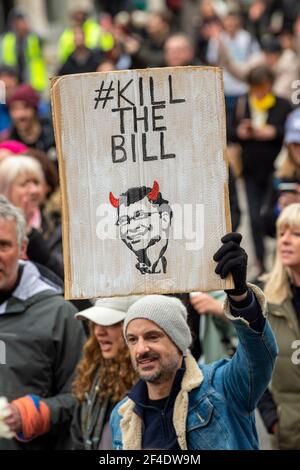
(107, 96)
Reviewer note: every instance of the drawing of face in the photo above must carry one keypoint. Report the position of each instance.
(144, 220)
(142, 224)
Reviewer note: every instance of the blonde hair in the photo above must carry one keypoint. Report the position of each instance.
(277, 288)
(14, 166)
(288, 168)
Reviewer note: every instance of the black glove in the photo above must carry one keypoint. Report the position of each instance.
(232, 258)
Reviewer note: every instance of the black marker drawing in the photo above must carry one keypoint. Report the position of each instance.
(144, 220)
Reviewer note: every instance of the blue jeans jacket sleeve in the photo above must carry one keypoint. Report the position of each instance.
(246, 376)
(115, 429)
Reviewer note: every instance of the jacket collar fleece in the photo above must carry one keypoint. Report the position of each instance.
(32, 282)
(131, 423)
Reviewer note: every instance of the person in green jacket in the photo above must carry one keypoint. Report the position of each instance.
(280, 405)
(95, 36)
(21, 48)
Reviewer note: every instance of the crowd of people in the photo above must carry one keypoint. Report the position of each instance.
(154, 372)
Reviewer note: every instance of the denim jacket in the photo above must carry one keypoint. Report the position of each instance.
(215, 406)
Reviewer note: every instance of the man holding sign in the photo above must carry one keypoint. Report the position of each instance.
(178, 405)
(157, 138)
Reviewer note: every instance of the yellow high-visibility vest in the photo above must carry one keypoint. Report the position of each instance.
(106, 41)
(34, 59)
(94, 38)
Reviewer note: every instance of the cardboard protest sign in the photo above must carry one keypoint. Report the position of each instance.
(143, 178)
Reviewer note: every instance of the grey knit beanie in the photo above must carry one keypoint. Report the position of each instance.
(168, 313)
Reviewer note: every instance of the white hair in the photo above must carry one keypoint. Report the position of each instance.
(13, 166)
(10, 212)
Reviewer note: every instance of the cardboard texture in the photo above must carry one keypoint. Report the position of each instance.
(144, 180)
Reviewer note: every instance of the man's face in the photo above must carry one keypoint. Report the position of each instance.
(10, 252)
(156, 25)
(154, 356)
(232, 24)
(78, 17)
(178, 52)
(79, 38)
(21, 25)
(142, 225)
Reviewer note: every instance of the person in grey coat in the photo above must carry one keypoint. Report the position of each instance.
(42, 344)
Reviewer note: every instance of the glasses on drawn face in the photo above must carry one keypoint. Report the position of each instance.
(138, 215)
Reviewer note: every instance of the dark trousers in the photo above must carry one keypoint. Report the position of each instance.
(255, 195)
(230, 106)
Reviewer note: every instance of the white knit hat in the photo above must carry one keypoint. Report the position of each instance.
(168, 313)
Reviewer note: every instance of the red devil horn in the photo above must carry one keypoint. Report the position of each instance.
(152, 196)
(113, 200)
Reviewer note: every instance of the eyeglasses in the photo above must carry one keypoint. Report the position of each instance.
(139, 215)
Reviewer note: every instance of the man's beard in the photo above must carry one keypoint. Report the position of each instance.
(148, 378)
(160, 375)
(154, 378)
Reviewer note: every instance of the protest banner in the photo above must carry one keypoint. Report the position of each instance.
(144, 180)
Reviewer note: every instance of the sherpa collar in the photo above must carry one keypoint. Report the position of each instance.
(131, 424)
